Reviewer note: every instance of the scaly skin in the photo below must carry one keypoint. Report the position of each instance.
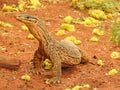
(60, 53)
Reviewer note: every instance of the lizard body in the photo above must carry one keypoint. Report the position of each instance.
(60, 53)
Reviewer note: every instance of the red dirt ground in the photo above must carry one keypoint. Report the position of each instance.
(16, 44)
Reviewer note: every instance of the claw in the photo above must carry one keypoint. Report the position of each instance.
(34, 72)
(37, 71)
(53, 80)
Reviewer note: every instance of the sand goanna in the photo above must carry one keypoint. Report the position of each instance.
(60, 53)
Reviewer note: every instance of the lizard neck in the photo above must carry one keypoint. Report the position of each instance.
(39, 31)
(44, 33)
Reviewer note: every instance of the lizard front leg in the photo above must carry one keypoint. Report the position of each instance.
(54, 56)
(37, 62)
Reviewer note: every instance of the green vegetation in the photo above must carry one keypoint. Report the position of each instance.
(104, 5)
(90, 22)
(98, 14)
(116, 32)
(100, 10)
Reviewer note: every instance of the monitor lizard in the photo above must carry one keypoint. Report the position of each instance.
(61, 53)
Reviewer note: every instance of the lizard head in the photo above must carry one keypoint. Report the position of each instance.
(26, 18)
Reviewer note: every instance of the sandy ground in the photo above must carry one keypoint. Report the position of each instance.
(18, 46)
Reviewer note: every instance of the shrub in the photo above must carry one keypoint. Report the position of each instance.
(105, 5)
(116, 32)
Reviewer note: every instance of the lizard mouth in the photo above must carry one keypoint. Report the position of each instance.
(19, 17)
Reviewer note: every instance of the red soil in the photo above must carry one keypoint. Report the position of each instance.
(16, 44)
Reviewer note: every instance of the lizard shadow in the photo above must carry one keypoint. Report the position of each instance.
(68, 71)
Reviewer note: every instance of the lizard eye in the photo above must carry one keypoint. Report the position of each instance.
(27, 18)
(30, 19)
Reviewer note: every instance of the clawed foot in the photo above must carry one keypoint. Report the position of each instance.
(37, 71)
(52, 80)
(37, 68)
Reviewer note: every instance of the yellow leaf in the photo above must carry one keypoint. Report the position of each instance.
(68, 27)
(115, 55)
(60, 33)
(90, 22)
(77, 87)
(74, 40)
(4, 24)
(68, 19)
(86, 86)
(7, 8)
(100, 63)
(21, 5)
(25, 28)
(26, 77)
(98, 14)
(35, 3)
(30, 36)
(48, 64)
(94, 39)
(112, 72)
(98, 32)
